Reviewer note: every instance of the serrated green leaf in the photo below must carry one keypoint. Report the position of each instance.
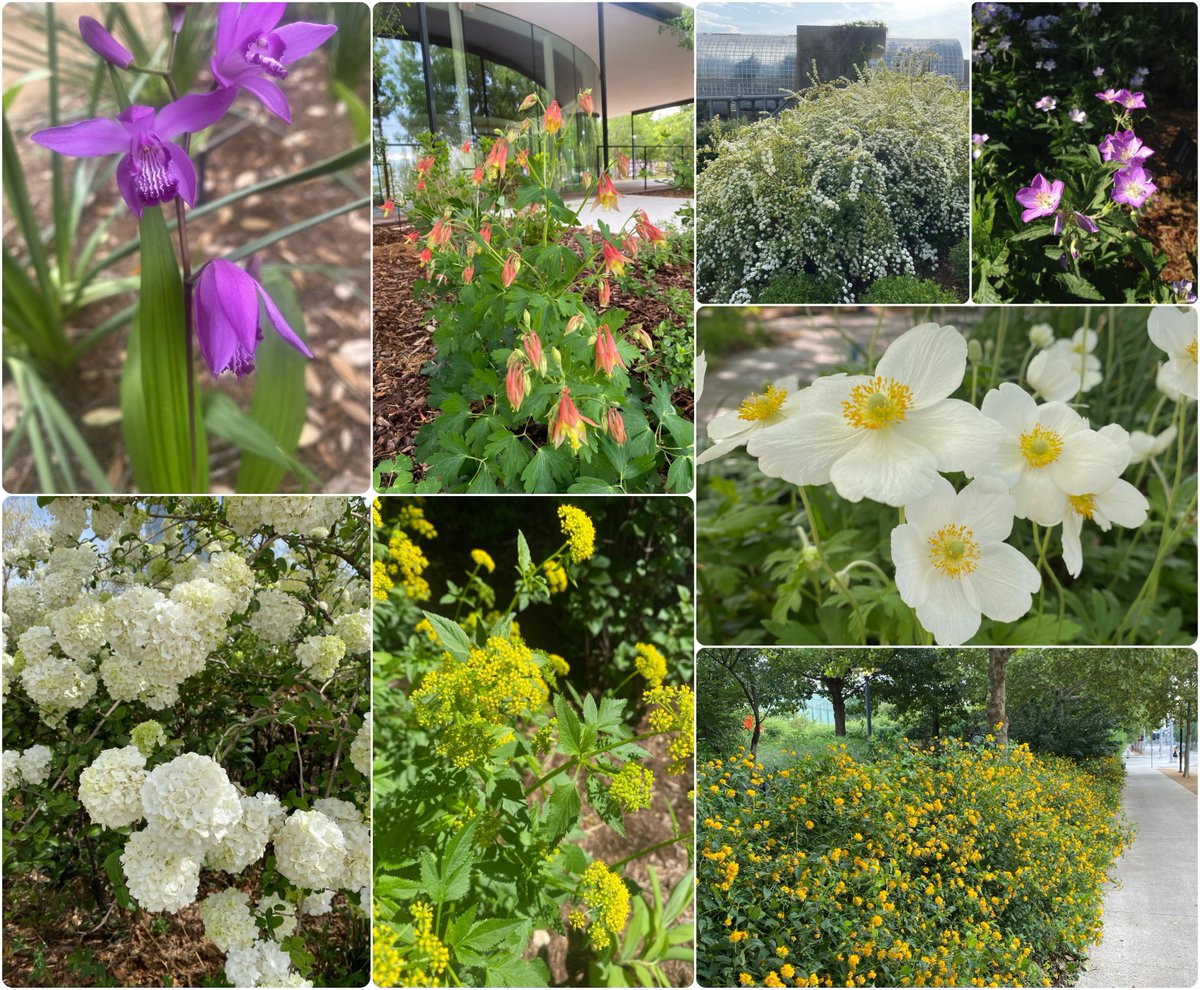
(561, 812)
(450, 636)
(604, 805)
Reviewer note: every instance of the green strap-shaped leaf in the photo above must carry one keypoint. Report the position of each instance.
(155, 399)
(224, 419)
(280, 398)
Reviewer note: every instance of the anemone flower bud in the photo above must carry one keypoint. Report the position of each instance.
(226, 311)
(104, 44)
(552, 122)
(511, 267)
(616, 426)
(585, 102)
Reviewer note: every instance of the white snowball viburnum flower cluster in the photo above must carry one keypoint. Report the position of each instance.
(29, 767)
(111, 788)
(306, 515)
(354, 630)
(278, 617)
(320, 655)
(891, 436)
(360, 749)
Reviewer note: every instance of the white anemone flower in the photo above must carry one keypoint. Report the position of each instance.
(1066, 368)
(952, 564)
(1144, 446)
(884, 437)
(1041, 335)
(701, 371)
(1047, 453)
(1120, 503)
(732, 429)
(1174, 331)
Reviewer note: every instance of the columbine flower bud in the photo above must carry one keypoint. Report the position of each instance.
(511, 267)
(556, 357)
(516, 382)
(631, 246)
(575, 322)
(616, 426)
(638, 331)
(533, 350)
(104, 44)
(468, 274)
(529, 101)
(607, 356)
(585, 102)
(605, 293)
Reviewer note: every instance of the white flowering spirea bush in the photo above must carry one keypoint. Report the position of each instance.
(187, 734)
(857, 182)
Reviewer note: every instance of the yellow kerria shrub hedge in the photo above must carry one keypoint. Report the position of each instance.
(953, 865)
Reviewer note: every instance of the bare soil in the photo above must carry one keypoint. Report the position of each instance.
(1171, 218)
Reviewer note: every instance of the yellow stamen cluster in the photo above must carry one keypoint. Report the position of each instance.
(465, 699)
(395, 962)
(483, 559)
(953, 550)
(604, 893)
(633, 787)
(412, 517)
(878, 403)
(674, 714)
(1040, 446)
(387, 964)
(403, 562)
(577, 527)
(651, 664)
(1085, 505)
(556, 576)
(1191, 351)
(760, 407)
(426, 627)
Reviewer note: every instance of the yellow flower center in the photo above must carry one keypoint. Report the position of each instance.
(877, 403)
(1191, 350)
(1040, 446)
(761, 407)
(1085, 505)
(953, 550)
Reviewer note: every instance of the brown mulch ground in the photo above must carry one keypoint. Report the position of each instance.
(1189, 781)
(335, 301)
(1171, 218)
(402, 338)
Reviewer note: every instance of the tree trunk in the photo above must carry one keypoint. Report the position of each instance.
(756, 735)
(835, 687)
(996, 712)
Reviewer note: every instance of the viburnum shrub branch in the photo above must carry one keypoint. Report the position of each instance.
(479, 717)
(153, 624)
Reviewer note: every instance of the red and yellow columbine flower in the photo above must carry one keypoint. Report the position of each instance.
(647, 231)
(552, 122)
(426, 257)
(477, 175)
(614, 260)
(511, 267)
(607, 356)
(630, 245)
(566, 423)
(497, 159)
(622, 165)
(605, 293)
(585, 102)
(425, 165)
(420, 185)
(616, 426)
(533, 350)
(439, 236)
(516, 382)
(411, 236)
(606, 193)
(466, 148)
(388, 206)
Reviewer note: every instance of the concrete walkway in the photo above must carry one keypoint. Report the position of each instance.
(1150, 915)
(660, 209)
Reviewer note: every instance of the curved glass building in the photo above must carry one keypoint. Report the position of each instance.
(944, 56)
(745, 72)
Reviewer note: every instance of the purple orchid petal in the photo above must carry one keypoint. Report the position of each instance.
(281, 325)
(227, 16)
(301, 38)
(193, 112)
(104, 44)
(185, 172)
(257, 18)
(86, 139)
(226, 311)
(136, 119)
(126, 183)
(270, 95)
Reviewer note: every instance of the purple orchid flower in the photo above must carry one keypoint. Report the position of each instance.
(154, 168)
(225, 305)
(1133, 186)
(1040, 198)
(250, 48)
(104, 44)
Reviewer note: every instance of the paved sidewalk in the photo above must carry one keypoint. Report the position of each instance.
(1150, 911)
(660, 209)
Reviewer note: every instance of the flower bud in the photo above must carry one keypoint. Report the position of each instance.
(616, 426)
(575, 322)
(974, 351)
(529, 101)
(585, 102)
(1041, 335)
(177, 12)
(605, 293)
(511, 267)
(104, 44)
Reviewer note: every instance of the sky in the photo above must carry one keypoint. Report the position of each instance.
(905, 19)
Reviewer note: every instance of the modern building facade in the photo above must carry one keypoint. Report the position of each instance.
(739, 75)
(461, 70)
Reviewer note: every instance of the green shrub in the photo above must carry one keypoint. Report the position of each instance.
(800, 289)
(907, 289)
(858, 181)
(959, 258)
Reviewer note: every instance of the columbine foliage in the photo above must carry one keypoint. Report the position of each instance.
(540, 385)
(489, 762)
(857, 182)
(172, 747)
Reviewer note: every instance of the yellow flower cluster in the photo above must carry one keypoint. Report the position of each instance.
(483, 559)
(604, 893)
(675, 712)
(633, 787)
(651, 664)
(556, 576)
(403, 562)
(465, 700)
(954, 865)
(396, 963)
(426, 627)
(577, 527)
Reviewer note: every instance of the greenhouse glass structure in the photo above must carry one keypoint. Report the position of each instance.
(944, 55)
(756, 71)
